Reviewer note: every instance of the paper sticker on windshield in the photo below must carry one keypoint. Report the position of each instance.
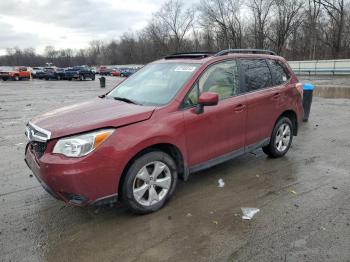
(185, 69)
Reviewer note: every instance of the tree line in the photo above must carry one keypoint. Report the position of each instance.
(295, 29)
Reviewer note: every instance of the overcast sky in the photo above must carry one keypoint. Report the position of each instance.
(70, 23)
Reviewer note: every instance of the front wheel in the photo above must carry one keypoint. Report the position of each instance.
(149, 182)
(281, 138)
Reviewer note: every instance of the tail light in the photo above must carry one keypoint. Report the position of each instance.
(299, 88)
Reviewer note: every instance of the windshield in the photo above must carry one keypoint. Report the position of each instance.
(155, 84)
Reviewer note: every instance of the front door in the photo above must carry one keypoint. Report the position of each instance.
(219, 129)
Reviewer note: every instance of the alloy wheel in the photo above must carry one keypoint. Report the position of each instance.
(152, 183)
(283, 136)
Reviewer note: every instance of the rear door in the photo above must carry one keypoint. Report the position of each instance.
(261, 99)
(219, 129)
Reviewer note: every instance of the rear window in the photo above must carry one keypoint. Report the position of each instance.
(256, 74)
(278, 71)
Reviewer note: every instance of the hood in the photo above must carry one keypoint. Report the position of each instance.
(90, 115)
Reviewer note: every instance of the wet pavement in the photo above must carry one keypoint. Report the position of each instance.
(304, 197)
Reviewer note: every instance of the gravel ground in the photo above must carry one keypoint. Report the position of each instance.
(304, 197)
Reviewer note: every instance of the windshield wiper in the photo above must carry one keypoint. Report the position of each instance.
(126, 100)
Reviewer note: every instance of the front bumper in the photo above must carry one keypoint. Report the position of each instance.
(91, 180)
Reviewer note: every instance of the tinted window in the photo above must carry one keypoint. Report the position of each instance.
(256, 74)
(278, 72)
(221, 78)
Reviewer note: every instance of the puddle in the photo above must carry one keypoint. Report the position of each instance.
(332, 92)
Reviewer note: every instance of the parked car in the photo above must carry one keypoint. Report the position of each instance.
(36, 71)
(174, 117)
(115, 72)
(104, 70)
(126, 72)
(15, 73)
(54, 73)
(80, 72)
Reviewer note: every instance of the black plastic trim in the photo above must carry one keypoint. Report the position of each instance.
(228, 156)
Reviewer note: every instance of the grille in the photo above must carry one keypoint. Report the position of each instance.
(38, 148)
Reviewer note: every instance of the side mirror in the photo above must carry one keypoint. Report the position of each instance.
(207, 99)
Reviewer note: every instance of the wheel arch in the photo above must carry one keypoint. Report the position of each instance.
(171, 149)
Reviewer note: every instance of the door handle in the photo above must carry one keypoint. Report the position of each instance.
(276, 96)
(240, 108)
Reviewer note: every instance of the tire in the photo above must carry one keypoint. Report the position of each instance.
(93, 77)
(69, 79)
(281, 138)
(141, 181)
(81, 77)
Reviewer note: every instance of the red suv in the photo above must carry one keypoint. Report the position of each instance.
(181, 114)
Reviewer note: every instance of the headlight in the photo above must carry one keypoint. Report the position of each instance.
(81, 145)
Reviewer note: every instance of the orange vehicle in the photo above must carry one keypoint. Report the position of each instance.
(15, 73)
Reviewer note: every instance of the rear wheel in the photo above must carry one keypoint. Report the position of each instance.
(149, 182)
(281, 138)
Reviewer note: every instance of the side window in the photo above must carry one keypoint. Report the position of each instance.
(221, 78)
(256, 74)
(278, 72)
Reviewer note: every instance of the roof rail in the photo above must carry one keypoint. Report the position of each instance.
(190, 55)
(253, 51)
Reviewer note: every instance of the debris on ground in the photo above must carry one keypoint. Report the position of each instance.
(221, 182)
(296, 205)
(257, 175)
(334, 187)
(189, 215)
(292, 191)
(28, 104)
(169, 217)
(30, 175)
(215, 222)
(249, 212)
(211, 212)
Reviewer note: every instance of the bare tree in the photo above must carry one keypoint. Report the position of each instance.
(261, 10)
(287, 19)
(223, 17)
(177, 20)
(313, 11)
(333, 29)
